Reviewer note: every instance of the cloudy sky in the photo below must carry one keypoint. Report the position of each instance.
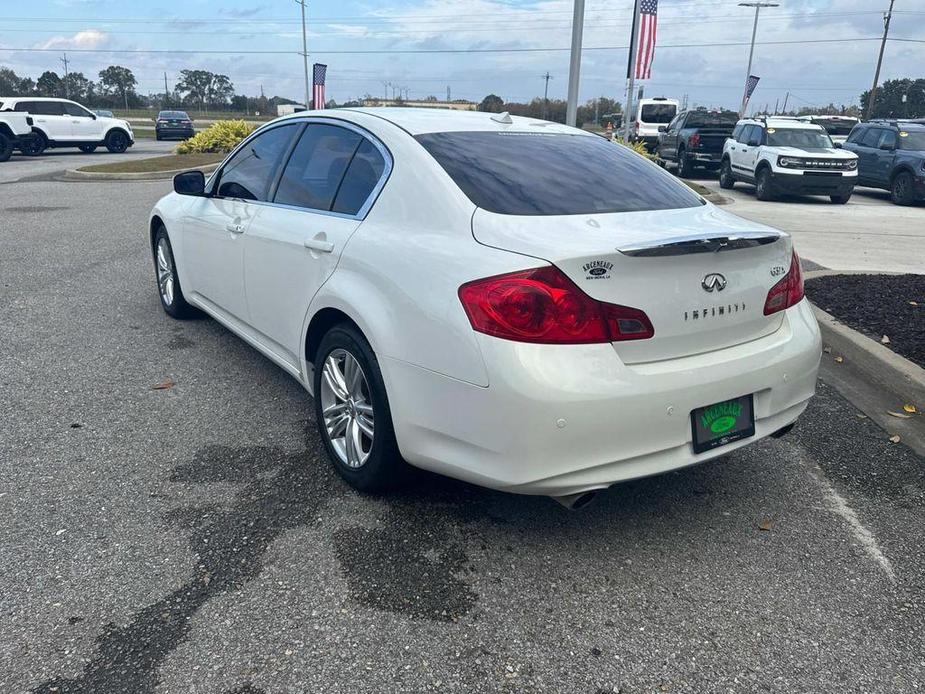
(820, 50)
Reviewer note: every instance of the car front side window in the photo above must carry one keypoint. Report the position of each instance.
(249, 173)
(76, 110)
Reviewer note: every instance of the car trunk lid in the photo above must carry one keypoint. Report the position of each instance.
(669, 264)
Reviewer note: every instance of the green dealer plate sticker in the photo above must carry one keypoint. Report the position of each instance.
(722, 423)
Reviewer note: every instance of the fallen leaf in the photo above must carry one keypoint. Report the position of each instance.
(839, 360)
(862, 416)
(885, 340)
(895, 438)
(766, 524)
(900, 415)
(164, 385)
(910, 409)
(827, 350)
(913, 303)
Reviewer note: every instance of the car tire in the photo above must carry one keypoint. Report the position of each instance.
(35, 145)
(117, 141)
(901, 189)
(88, 149)
(685, 165)
(840, 199)
(157, 137)
(6, 147)
(726, 179)
(369, 464)
(763, 185)
(168, 281)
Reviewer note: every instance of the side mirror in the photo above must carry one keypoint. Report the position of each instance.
(754, 142)
(887, 147)
(838, 145)
(190, 183)
(663, 128)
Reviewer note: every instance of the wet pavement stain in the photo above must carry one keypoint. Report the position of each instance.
(180, 342)
(280, 491)
(246, 689)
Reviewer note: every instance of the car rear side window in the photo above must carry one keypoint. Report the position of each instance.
(526, 173)
(248, 174)
(316, 168)
(361, 178)
(658, 113)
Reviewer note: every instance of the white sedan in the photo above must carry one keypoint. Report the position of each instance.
(503, 300)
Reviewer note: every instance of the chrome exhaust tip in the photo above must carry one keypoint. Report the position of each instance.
(574, 502)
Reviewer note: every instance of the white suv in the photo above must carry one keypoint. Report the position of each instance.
(63, 123)
(785, 155)
(15, 129)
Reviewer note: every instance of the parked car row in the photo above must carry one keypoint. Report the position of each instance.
(810, 155)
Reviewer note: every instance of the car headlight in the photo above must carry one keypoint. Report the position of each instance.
(791, 162)
(852, 164)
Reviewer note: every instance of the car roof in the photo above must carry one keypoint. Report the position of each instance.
(421, 121)
(782, 123)
(35, 98)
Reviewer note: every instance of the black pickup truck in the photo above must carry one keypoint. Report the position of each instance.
(696, 138)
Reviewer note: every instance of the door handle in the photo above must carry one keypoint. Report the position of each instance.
(319, 244)
(235, 227)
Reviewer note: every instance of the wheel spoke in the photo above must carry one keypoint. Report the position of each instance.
(365, 408)
(338, 426)
(350, 439)
(365, 425)
(335, 380)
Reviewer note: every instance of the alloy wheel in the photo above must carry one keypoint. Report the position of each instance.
(347, 408)
(165, 277)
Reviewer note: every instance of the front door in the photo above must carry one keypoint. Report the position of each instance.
(215, 225)
(84, 125)
(294, 244)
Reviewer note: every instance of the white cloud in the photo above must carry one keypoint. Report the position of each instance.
(88, 38)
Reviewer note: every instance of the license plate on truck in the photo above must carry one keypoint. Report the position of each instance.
(722, 423)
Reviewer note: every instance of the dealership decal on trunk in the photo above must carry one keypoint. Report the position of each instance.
(597, 270)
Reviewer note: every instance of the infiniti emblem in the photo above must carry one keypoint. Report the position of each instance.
(713, 282)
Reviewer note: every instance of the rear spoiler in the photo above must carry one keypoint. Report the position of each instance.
(700, 243)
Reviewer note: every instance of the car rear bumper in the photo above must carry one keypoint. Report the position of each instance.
(813, 183)
(563, 419)
(175, 132)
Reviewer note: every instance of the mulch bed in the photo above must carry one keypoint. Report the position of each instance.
(877, 305)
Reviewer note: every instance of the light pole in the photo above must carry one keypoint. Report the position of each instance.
(574, 66)
(751, 50)
(301, 3)
(873, 90)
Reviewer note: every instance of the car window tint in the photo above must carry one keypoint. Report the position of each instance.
(75, 110)
(871, 138)
(914, 140)
(658, 113)
(526, 173)
(888, 138)
(361, 178)
(317, 165)
(248, 174)
(744, 134)
(701, 119)
(855, 135)
(23, 107)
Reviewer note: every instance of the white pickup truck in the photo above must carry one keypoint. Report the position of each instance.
(15, 130)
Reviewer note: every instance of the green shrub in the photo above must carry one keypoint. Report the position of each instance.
(221, 136)
(639, 147)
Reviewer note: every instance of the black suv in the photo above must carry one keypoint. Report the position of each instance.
(696, 138)
(175, 124)
(891, 155)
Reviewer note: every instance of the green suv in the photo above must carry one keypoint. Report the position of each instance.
(891, 155)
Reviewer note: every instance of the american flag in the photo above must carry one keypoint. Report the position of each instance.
(750, 85)
(645, 51)
(319, 72)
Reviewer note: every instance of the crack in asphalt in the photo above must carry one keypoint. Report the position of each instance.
(281, 491)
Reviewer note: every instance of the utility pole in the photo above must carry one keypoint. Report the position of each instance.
(301, 3)
(546, 77)
(448, 94)
(631, 74)
(65, 61)
(751, 50)
(872, 97)
(783, 111)
(386, 85)
(574, 66)
(166, 92)
(776, 104)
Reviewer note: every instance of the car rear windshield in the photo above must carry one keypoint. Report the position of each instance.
(525, 173)
(700, 120)
(836, 127)
(912, 140)
(658, 113)
(798, 137)
(181, 115)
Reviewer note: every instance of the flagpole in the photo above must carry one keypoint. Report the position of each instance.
(631, 73)
(578, 21)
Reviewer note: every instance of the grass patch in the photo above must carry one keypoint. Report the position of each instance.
(170, 162)
(697, 188)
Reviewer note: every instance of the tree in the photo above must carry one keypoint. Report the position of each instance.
(49, 84)
(203, 87)
(492, 104)
(890, 103)
(78, 87)
(118, 81)
(12, 84)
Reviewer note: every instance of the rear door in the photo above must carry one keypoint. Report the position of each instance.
(885, 156)
(293, 245)
(49, 117)
(866, 149)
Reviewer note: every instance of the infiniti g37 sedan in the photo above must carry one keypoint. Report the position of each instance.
(503, 300)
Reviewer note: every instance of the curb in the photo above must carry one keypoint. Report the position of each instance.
(77, 174)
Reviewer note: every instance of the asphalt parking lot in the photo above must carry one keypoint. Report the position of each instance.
(193, 537)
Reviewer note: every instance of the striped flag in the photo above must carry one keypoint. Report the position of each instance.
(750, 85)
(645, 46)
(319, 72)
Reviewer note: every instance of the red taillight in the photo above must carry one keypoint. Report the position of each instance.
(695, 140)
(789, 291)
(545, 306)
